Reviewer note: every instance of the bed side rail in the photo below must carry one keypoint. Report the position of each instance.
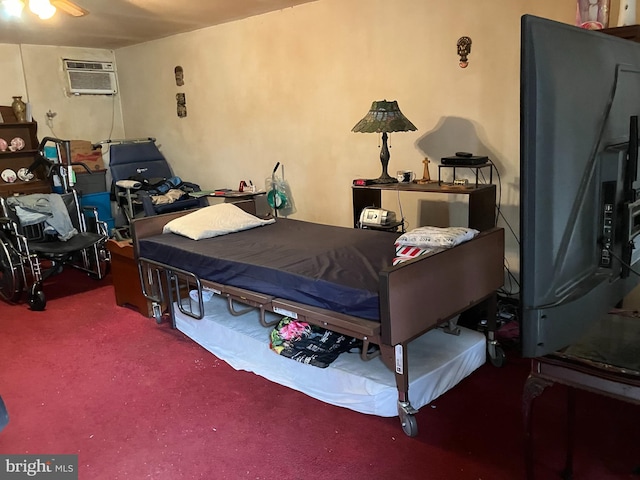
(419, 294)
(165, 286)
(251, 301)
(339, 322)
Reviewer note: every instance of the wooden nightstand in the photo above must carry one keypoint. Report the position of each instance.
(126, 280)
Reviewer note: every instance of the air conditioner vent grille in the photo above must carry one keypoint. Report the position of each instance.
(90, 78)
(90, 81)
(80, 65)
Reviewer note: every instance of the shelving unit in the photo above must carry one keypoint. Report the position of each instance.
(482, 199)
(628, 32)
(23, 158)
(477, 169)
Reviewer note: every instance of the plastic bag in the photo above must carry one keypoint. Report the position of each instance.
(279, 194)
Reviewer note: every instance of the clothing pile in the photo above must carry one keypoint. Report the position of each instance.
(307, 343)
(47, 208)
(161, 190)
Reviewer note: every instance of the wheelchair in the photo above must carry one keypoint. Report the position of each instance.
(40, 234)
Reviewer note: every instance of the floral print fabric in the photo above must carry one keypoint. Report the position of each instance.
(307, 343)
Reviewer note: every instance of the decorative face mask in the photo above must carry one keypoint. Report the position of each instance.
(464, 49)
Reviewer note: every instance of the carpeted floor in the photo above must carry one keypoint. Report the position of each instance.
(136, 400)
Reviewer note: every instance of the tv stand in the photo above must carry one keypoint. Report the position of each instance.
(605, 361)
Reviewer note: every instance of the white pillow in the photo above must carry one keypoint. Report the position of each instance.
(429, 237)
(213, 221)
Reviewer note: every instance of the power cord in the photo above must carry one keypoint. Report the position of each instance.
(513, 281)
(624, 264)
(402, 219)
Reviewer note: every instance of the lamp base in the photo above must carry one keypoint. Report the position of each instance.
(384, 179)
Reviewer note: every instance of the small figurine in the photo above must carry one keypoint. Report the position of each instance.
(426, 178)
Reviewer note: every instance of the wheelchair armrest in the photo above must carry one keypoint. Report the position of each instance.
(12, 223)
(128, 184)
(101, 226)
(90, 209)
(9, 226)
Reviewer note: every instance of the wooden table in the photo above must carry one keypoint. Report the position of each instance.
(245, 200)
(605, 361)
(482, 199)
(126, 280)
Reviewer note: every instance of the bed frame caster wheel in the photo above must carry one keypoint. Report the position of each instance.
(497, 356)
(37, 300)
(157, 312)
(409, 425)
(407, 419)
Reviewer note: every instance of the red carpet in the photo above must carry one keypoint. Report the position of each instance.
(136, 400)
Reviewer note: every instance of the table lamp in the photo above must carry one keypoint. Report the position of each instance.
(384, 117)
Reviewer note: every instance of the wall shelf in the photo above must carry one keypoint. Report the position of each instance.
(482, 199)
(23, 158)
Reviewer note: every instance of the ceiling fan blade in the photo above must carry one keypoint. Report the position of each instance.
(70, 8)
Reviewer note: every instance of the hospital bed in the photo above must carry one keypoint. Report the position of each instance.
(338, 278)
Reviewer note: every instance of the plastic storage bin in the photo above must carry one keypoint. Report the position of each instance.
(102, 202)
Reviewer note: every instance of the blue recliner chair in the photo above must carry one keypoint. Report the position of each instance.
(139, 171)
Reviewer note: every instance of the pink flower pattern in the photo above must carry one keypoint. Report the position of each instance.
(293, 330)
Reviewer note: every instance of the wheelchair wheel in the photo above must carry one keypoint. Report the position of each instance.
(37, 300)
(99, 271)
(11, 282)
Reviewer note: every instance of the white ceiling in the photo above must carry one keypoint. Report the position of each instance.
(113, 24)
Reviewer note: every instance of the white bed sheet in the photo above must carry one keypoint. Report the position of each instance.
(437, 362)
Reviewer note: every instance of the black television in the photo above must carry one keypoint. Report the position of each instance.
(579, 209)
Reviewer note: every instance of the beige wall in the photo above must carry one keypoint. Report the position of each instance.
(36, 73)
(289, 86)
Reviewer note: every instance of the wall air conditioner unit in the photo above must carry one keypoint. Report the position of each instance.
(90, 78)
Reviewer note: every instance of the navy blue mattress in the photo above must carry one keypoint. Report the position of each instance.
(320, 265)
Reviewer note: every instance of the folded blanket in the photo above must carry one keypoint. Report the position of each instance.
(423, 240)
(430, 237)
(407, 252)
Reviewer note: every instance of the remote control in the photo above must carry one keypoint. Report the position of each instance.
(464, 154)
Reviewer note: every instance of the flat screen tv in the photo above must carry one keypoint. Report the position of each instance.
(579, 214)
